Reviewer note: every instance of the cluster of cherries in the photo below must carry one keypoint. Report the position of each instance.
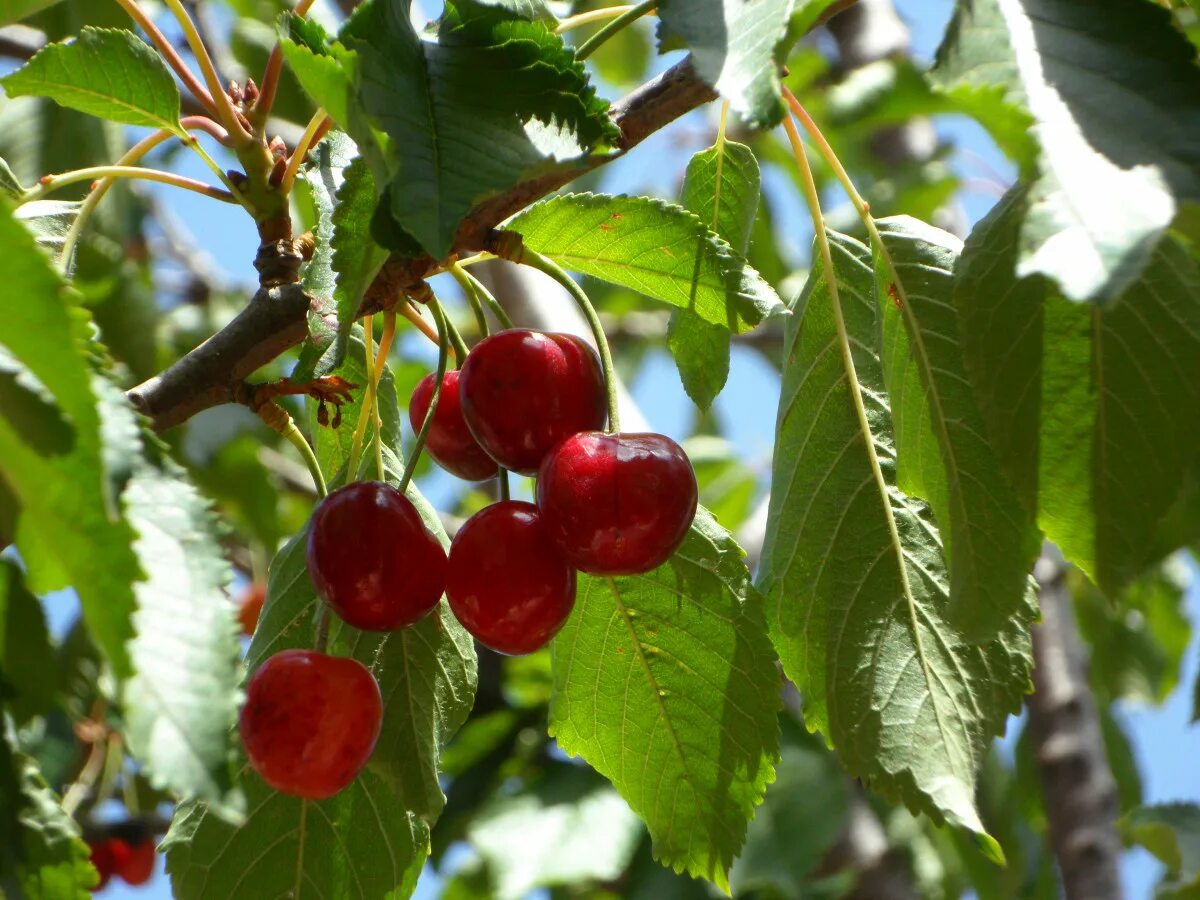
(607, 504)
(130, 860)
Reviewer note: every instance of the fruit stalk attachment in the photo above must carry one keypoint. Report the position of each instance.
(439, 316)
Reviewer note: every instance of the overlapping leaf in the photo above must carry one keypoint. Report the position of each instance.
(1115, 96)
(69, 530)
(494, 99)
(651, 246)
(666, 684)
(1091, 412)
(25, 690)
(733, 44)
(943, 454)
(721, 187)
(855, 576)
(105, 72)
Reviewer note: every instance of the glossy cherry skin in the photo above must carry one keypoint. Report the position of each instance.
(372, 559)
(617, 504)
(135, 864)
(250, 604)
(523, 391)
(310, 722)
(103, 861)
(508, 584)
(449, 441)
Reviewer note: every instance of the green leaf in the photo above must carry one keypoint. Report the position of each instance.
(570, 827)
(855, 577)
(181, 704)
(15, 10)
(41, 854)
(381, 822)
(1115, 98)
(346, 258)
(806, 15)
(537, 10)
(27, 683)
(1141, 638)
(69, 531)
(1172, 833)
(1091, 411)
(495, 99)
(105, 72)
(733, 46)
(49, 220)
(804, 812)
(325, 70)
(660, 249)
(666, 684)
(976, 69)
(942, 450)
(30, 408)
(9, 183)
(721, 187)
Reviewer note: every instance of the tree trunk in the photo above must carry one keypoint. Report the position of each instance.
(1078, 789)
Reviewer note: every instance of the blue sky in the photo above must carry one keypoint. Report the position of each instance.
(1164, 742)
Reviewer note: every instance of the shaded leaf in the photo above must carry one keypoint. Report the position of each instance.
(855, 577)
(1091, 412)
(942, 450)
(650, 246)
(30, 408)
(27, 683)
(1171, 832)
(105, 72)
(733, 46)
(666, 684)
(721, 187)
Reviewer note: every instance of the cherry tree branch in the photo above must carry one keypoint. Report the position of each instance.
(1078, 789)
(275, 318)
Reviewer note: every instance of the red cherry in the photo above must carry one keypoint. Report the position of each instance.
(372, 559)
(617, 504)
(523, 391)
(103, 860)
(508, 585)
(310, 722)
(250, 604)
(449, 440)
(136, 863)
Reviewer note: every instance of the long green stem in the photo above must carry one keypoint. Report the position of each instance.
(588, 47)
(368, 403)
(439, 316)
(226, 114)
(489, 298)
(456, 341)
(317, 126)
(171, 55)
(52, 183)
(269, 84)
(300, 442)
(468, 288)
(550, 267)
(385, 347)
(856, 199)
(809, 184)
(592, 15)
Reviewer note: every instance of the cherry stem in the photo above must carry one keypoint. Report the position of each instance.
(588, 47)
(269, 84)
(300, 442)
(385, 347)
(317, 126)
(52, 183)
(468, 288)
(226, 114)
(544, 264)
(171, 55)
(856, 199)
(457, 345)
(592, 15)
(364, 414)
(413, 314)
(439, 316)
(504, 489)
(489, 298)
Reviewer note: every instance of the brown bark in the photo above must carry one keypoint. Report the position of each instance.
(1078, 789)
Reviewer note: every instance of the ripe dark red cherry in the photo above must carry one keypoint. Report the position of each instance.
(617, 504)
(310, 722)
(523, 391)
(508, 584)
(372, 559)
(449, 440)
(136, 864)
(103, 861)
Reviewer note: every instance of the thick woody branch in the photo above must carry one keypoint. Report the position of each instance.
(275, 321)
(1078, 789)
